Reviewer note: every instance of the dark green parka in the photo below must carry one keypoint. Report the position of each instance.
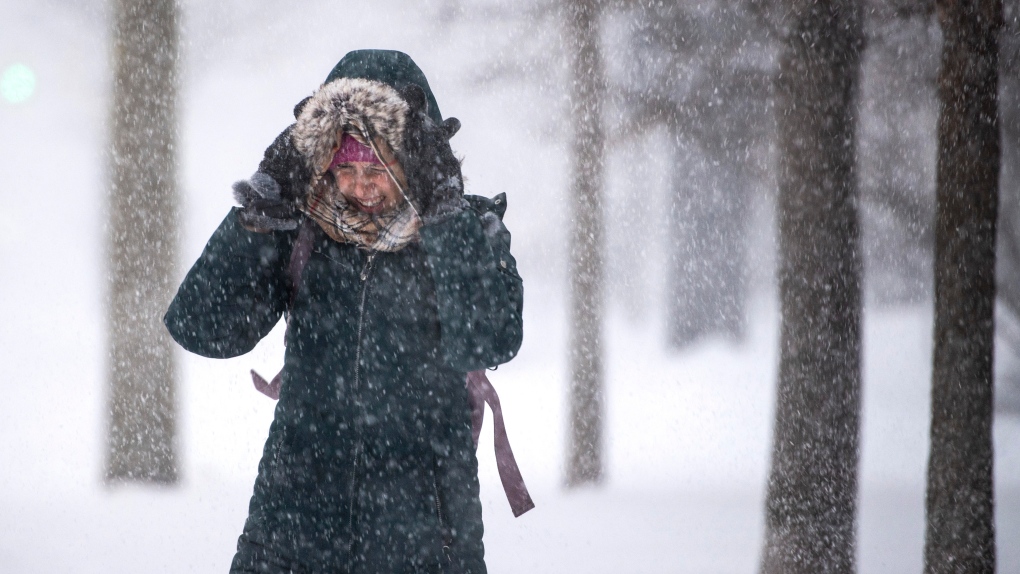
(369, 465)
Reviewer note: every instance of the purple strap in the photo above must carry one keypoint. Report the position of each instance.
(299, 255)
(271, 390)
(481, 391)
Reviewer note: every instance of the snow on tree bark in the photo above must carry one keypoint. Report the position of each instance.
(959, 502)
(584, 459)
(812, 487)
(142, 242)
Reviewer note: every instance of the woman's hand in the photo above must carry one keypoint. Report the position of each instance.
(432, 170)
(270, 198)
(263, 208)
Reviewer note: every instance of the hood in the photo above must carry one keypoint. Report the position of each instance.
(382, 99)
(362, 107)
(390, 67)
(365, 93)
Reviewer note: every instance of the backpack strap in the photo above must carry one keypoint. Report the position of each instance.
(299, 254)
(481, 391)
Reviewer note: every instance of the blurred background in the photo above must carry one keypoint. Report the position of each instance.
(691, 321)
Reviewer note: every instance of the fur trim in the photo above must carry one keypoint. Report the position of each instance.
(346, 103)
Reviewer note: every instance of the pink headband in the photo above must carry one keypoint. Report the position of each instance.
(351, 150)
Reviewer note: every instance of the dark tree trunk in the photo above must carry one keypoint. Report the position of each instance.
(812, 488)
(960, 534)
(584, 459)
(142, 242)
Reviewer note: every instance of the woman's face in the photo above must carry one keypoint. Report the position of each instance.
(367, 186)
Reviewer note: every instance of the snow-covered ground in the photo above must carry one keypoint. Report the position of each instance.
(688, 449)
(688, 434)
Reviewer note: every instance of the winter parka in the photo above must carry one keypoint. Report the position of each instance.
(369, 465)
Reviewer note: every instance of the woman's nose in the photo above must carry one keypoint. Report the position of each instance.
(362, 187)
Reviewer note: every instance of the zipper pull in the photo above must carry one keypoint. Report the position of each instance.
(368, 265)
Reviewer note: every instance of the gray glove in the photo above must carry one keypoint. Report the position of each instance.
(262, 206)
(270, 198)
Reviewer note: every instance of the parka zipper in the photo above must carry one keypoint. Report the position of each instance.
(439, 512)
(364, 276)
(365, 272)
(356, 387)
(446, 540)
(350, 516)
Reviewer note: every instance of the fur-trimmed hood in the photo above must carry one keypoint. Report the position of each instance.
(383, 99)
(363, 107)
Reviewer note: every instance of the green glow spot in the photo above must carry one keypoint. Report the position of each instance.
(17, 83)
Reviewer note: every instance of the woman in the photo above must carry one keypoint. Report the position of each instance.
(406, 285)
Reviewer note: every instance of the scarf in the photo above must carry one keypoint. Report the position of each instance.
(345, 223)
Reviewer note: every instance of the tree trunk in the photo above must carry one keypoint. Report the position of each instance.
(960, 533)
(142, 242)
(812, 488)
(707, 289)
(584, 460)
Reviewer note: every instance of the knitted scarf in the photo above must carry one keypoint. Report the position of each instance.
(345, 223)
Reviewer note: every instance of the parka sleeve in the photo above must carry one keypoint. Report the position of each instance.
(234, 294)
(478, 291)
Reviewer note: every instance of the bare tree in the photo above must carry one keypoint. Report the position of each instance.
(584, 459)
(812, 487)
(724, 113)
(960, 533)
(142, 242)
(896, 149)
(704, 73)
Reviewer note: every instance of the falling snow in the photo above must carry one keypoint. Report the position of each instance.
(691, 328)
